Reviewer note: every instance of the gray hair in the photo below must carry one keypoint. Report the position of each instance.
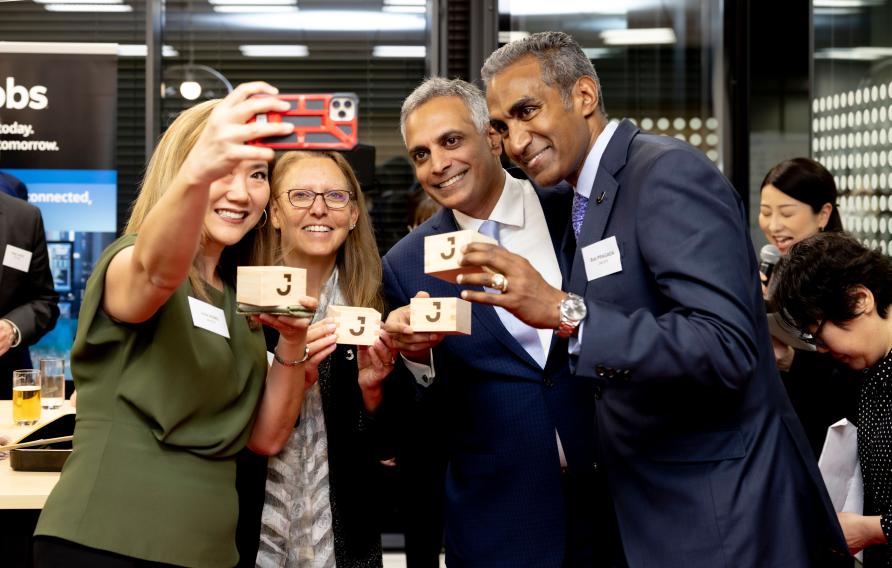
(560, 58)
(441, 87)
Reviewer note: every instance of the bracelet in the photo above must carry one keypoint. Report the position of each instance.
(294, 363)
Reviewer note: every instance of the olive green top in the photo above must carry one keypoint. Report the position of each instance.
(163, 407)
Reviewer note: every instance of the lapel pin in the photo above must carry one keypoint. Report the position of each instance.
(600, 198)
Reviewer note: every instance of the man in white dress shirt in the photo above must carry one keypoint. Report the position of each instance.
(517, 426)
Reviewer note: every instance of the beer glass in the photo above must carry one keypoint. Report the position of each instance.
(25, 396)
(52, 383)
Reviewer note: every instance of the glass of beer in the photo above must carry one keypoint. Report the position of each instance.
(26, 396)
(52, 383)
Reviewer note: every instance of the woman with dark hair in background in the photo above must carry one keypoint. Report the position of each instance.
(839, 292)
(798, 200)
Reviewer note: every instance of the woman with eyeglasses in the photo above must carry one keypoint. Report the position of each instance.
(318, 508)
(833, 288)
(798, 200)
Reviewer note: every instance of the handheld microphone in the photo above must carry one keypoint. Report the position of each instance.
(768, 256)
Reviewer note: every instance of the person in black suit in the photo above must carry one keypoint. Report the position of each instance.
(28, 302)
(706, 462)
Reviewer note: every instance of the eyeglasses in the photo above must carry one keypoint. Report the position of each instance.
(333, 198)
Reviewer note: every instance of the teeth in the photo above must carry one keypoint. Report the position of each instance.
(451, 180)
(317, 228)
(536, 155)
(226, 214)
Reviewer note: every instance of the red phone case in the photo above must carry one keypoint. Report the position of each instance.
(322, 121)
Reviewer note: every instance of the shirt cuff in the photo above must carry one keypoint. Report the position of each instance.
(424, 374)
(17, 333)
(575, 343)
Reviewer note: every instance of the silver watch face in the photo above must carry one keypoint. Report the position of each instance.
(573, 308)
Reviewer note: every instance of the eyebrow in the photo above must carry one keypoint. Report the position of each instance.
(520, 104)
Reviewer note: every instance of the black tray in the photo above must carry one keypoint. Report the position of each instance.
(45, 458)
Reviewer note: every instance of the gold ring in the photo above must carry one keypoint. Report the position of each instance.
(499, 282)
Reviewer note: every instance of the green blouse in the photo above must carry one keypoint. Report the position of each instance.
(163, 407)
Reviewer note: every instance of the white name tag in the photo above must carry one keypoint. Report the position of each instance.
(208, 317)
(17, 258)
(601, 258)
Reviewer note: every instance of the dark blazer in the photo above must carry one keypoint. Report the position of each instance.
(504, 500)
(707, 464)
(356, 442)
(27, 299)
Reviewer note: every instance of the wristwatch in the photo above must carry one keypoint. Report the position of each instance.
(573, 311)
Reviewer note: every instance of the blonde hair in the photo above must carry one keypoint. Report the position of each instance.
(166, 161)
(358, 261)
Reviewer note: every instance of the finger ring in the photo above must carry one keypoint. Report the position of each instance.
(500, 282)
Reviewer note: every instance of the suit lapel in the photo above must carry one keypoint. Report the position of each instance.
(556, 203)
(601, 200)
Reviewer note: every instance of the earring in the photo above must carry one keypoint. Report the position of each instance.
(353, 226)
(262, 224)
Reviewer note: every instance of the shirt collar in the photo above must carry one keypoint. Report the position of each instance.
(593, 160)
(508, 210)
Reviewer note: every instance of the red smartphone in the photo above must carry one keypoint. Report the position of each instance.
(322, 121)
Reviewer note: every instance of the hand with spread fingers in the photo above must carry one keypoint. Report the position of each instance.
(413, 346)
(375, 363)
(523, 291)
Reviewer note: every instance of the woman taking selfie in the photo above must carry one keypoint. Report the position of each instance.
(171, 382)
(319, 507)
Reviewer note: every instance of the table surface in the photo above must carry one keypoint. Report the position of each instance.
(25, 489)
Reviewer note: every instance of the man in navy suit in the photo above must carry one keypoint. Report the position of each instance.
(706, 462)
(519, 483)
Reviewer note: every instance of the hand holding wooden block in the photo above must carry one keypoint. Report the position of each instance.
(442, 253)
(356, 326)
(270, 285)
(451, 316)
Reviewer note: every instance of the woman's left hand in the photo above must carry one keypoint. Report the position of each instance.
(860, 531)
(292, 330)
(375, 362)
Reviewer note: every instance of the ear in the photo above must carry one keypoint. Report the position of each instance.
(495, 142)
(864, 300)
(586, 95)
(824, 215)
(274, 216)
(354, 214)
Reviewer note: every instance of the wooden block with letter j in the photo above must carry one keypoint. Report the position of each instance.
(442, 253)
(356, 326)
(270, 285)
(451, 316)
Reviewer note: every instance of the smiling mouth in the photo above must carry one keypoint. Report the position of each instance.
(231, 215)
(783, 242)
(451, 181)
(317, 229)
(535, 158)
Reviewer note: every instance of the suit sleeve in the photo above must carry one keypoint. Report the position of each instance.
(39, 310)
(692, 238)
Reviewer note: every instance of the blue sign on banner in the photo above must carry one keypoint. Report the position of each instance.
(73, 200)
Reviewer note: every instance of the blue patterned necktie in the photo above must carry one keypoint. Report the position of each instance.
(527, 336)
(580, 202)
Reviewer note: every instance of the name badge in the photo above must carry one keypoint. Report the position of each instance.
(601, 258)
(17, 258)
(208, 317)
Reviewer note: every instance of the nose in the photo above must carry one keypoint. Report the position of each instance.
(237, 192)
(318, 207)
(440, 161)
(774, 223)
(517, 140)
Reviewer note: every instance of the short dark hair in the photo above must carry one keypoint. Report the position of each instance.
(807, 181)
(816, 280)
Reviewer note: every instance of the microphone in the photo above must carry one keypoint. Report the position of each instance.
(768, 256)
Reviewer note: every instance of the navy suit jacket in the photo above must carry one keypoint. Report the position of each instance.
(706, 461)
(28, 299)
(504, 501)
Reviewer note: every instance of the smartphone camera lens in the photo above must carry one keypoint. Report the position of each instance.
(342, 114)
(348, 104)
(336, 104)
